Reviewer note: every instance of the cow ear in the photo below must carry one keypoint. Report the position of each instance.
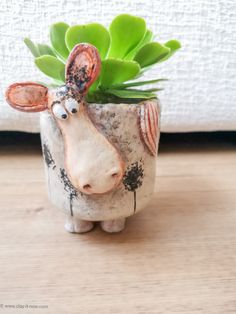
(27, 97)
(149, 126)
(83, 67)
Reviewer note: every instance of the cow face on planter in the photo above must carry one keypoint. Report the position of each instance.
(92, 163)
(99, 148)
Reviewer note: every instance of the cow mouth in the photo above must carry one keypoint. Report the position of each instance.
(89, 190)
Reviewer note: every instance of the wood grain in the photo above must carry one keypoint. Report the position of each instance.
(178, 256)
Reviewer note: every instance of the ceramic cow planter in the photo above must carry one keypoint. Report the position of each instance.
(100, 158)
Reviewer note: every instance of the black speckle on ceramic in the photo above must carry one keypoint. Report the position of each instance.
(48, 156)
(67, 184)
(68, 187)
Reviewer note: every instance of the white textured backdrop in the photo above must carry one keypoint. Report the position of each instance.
(201, 93)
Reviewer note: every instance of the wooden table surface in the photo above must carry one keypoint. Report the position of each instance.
(177, 256)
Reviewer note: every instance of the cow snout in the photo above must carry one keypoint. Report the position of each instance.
(93, 164)
(90, 183)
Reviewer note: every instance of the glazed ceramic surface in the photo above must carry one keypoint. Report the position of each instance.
(120, 124)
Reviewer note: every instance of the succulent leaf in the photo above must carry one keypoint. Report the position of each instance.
(173, 45)
(32, 47)
(94, 34)
(45, 50)
(126, 32)
(129, 93)
(116, 71)
(151, 53)
(133, 84)
(57, 37)
(146, 39)
(52, 67)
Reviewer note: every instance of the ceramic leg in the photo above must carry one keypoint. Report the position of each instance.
(76, 225)
(112, 226)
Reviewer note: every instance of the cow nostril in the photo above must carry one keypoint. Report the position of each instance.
(115, 175)
(87, 187)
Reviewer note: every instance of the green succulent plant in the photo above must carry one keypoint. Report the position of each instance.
(127, 50)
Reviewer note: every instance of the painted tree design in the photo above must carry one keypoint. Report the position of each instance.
(133, 179)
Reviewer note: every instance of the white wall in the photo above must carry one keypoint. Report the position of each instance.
(201, 93)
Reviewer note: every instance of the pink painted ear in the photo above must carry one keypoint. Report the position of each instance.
(149, 125)
(27, 97)
(83, 67)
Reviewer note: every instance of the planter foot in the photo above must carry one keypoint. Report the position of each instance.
(113, 226)
(75, 225)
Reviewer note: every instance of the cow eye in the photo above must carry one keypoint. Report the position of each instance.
(59, 112)
(71, 105)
